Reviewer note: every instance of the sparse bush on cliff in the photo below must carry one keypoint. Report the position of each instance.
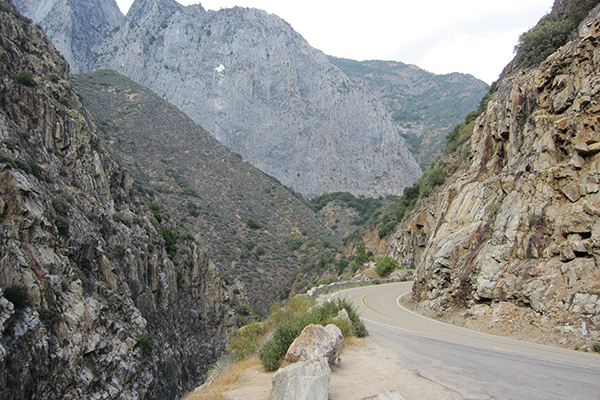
(145, 342)
(16, 294)
(26, 78)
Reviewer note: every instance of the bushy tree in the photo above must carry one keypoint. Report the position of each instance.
(385, 265)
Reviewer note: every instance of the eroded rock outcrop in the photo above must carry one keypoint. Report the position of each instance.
(521, 224)
(92, 306)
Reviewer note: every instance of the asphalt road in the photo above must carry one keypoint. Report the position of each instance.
(474, 364)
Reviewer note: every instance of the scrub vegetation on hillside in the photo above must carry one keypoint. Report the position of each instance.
(551, 32)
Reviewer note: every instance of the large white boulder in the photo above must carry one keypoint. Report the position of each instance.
(316, 342)
(305, 380)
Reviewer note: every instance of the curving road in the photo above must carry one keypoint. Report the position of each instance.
(474, 364)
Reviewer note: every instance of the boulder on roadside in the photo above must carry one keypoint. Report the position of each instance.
(316, 342)
(305, 380)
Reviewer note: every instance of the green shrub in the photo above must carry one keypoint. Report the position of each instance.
(49, 316)
(253, 224)
(342, 265)
(385, 265)
(16, 294)
(596, 347)
(193, 209)
(157, 210)
(61, 206)
(271, 352)
(293, 243)
(62, 224)
(26, 78)
(10, 144)
(246, 339)
(387, 228)
(435, 176)
(493, 208)
(145, 342)
(535, 219)
(170, 237)
(361, 251)
(7, 160)
(550, 33)
(118, 250)
(290, 322)
(259, 252)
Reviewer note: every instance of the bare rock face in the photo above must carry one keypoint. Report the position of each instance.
(91, 305)
(261, 90)
(306, 380)
(256, 85)
(521, 224)
(75, 26)
(316, 342)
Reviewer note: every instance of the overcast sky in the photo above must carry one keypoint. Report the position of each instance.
(470, 36)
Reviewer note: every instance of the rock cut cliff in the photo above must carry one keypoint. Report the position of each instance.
(521, 223)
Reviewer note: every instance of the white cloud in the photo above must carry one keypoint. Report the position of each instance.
(483, 55)
(470, 36)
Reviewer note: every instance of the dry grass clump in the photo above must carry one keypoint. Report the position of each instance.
(225, 381)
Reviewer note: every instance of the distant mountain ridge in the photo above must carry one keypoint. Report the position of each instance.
(424, 106)
(261, 90)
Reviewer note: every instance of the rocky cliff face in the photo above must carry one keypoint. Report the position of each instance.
(75, 26)
(521, 224)
(90, 303)
(261, 90)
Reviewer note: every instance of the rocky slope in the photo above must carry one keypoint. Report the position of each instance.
(91, 303)
(177, 163)
(424, 106)
(261, 90)
(520, 224)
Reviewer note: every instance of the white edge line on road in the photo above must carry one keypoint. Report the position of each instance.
(519, 343)
(507, 340)
(491, 350)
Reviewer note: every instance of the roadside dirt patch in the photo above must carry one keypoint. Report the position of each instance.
(367, 369)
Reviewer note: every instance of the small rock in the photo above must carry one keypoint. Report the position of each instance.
(391, 395)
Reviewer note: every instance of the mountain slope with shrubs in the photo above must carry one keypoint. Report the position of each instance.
(258, 231)
(424, 106)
